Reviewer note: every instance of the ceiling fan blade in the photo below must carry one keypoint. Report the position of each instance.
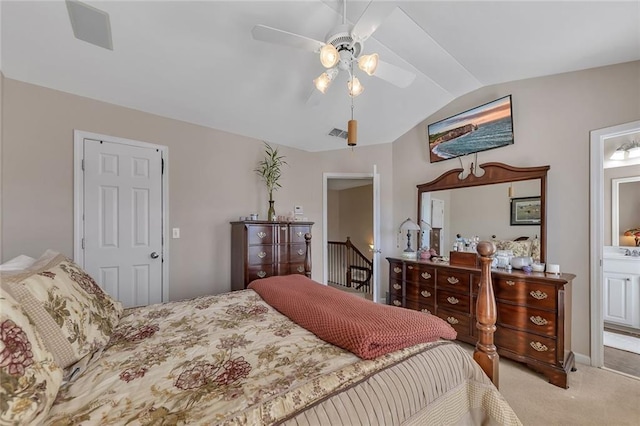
(276, 36)
(394, 75)
(375, 13)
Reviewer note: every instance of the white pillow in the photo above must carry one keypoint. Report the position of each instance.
(17, 263)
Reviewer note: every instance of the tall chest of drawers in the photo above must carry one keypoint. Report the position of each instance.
(261, 249)
(534, 309)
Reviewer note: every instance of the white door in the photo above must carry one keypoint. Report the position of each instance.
(123, 220)
(618, 298)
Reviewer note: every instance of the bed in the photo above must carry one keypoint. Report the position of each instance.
(72, 355)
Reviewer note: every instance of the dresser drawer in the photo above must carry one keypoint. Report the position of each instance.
(458, 320)
(395, 271)
(427, 306)
(452, 279)
(424, 293)
(296, 268)
(395, 287)
(256, 272)
(260, 234)
(260, 255)
(525, 318)
(421, 274)
(395, 299)
(296, 233)
(293, 253)
(526, 293)
(454, 301)
(527, 344)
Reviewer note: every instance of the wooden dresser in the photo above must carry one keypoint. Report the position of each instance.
(534, 309)
(262, 249)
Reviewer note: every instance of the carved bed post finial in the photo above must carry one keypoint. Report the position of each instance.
(485, 353)
(307, 255)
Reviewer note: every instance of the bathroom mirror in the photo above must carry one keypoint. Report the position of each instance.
(625, 205)
(481, 205)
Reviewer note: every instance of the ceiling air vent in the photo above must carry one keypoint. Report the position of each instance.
(90, 24)
(338, 133)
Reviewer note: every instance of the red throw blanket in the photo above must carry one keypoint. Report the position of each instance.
(365, 328)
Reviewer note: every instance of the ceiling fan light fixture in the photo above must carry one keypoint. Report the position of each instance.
(355, 88)
(329, 56)
(368, 63)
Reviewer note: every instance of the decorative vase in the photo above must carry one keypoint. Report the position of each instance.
(271, 214)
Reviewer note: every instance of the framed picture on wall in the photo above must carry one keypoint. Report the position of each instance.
(525, 211)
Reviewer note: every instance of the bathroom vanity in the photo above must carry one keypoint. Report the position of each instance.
(621, 287)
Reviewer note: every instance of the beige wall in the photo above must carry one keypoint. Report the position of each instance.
(629, 203)
(1, 133)
(552, 119)
(211, 181)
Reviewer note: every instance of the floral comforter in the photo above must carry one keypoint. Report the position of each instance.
(226, 359)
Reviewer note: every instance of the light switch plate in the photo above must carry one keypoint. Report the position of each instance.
(176, 232)
(298, 210)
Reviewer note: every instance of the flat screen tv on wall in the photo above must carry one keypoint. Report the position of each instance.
(481, 128)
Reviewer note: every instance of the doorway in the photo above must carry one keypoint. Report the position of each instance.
(120, 199)
(357, 257)
(614, 336)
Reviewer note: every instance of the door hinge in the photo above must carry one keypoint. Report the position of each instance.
(82, 164)
(83, 243)
(162, 169)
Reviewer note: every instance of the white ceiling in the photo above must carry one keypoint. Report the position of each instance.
(197, 61)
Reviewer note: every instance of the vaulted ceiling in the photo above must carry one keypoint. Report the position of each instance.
(198, 62)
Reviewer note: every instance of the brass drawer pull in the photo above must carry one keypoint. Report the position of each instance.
(397, 286)
(283, 228)
(261, 274)
(299, 234)
(397, 302)
(300, 269)
(452, 300)
(453, 280)
(426, 275)
(538, 320)
(425, 293)
(262, 255)
(452, 320)
(540, 295)
(397, 270)
(300, 252)
(539, 346)
(426, 311)
(261, 234)
(509, 282)
(409, 267)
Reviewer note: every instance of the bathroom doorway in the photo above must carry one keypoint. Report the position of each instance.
(615, 278)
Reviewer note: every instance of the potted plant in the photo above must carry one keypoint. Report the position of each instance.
(270, 170)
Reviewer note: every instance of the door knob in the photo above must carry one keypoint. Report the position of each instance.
(154, 255)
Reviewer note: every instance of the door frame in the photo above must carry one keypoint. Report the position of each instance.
(375, 178)
(596, 228)
(78, 197)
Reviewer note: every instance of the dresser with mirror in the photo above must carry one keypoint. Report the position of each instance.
(533, 308)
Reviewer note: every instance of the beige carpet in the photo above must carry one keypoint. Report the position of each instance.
(594, 397)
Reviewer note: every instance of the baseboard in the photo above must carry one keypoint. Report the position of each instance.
(582, 359)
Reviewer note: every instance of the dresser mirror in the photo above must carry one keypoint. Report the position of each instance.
(484, 204)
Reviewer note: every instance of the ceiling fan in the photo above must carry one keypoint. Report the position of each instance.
(343, 48)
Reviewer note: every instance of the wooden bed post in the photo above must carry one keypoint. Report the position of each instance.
(307, 255)
(485, 353)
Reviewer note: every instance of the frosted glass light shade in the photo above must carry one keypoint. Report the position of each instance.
(355, 88)
(368, 63)
(618, 154)
(634, 152)
(324, 81)
(329, 56)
